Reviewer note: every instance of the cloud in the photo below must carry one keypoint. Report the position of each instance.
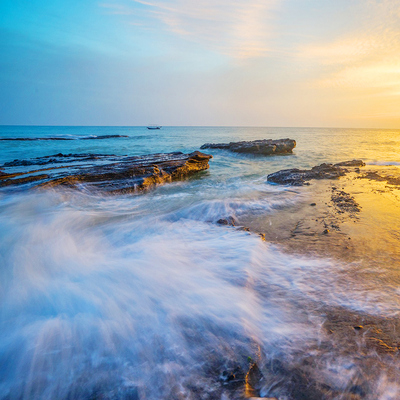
(117, 9)
(345, 51)
(384, 77)
(240, 29)
(365, 58)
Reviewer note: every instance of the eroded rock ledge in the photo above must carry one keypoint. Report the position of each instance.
(299, 177)
(123, 175)
(92, 137)
(264, 147)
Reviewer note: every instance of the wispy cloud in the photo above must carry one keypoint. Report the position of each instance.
(117, 9)
(367, 56)
(240, 29)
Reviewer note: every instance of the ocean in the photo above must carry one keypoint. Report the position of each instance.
(145, 296)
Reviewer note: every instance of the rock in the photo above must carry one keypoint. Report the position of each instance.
(298, 177)
(345, 202)
(20, 181)
(313, 204)
(233, 378)
(358, 327)
(61, 158)
(352, 163)
(253, 381)
(374, 176)
(128, 174)
(263, 147)
(254, 376)
(67, 138)
(227, 221)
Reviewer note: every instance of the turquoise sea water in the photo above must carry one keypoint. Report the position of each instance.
(314, 145)
(144, 296)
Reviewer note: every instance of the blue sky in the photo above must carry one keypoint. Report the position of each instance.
(204, 62)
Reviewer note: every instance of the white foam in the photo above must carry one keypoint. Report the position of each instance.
(383, 163)
(92, 296)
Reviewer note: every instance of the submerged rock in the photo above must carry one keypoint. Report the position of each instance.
(298, 177)
(128, 174)
(265, 147)
(227, 221)
(390, 179)
(345, 202)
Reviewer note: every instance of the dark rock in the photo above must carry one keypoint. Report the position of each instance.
(64, 138)
(254, 375)
(233, 378)
(374, 176)
(104, 137)
(352, 163)
(227, 221)
(21, 181)
(127, 175)
(263, 147)
(298, 177)
(253, 380)
(313, 204)
(345, 202)
(61, 158)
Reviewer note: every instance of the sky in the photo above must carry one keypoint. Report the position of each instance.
(311, 63)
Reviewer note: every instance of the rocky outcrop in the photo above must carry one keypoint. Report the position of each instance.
(60, 158)
(264, 147)
(128, 174)
(94, 137)
(391, 179)
(298, 177)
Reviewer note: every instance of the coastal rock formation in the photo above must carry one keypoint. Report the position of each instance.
(391, 179)
(128, 174)
(60, 158)
(93, 137)
(344, 202)
(265, 147)
(298, 177)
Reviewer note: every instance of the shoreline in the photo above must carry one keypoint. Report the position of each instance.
(334, 219)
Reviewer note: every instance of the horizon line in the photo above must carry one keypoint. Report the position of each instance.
(194, 126)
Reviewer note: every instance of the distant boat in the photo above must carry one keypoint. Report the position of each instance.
(154, 127)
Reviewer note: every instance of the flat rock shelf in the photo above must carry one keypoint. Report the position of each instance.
(107, 173)
(299, 177)
(264, 147)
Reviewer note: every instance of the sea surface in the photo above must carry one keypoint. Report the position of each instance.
(146, 297)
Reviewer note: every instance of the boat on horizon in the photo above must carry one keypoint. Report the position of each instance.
(154, 127)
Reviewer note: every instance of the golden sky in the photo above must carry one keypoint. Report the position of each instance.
(202, 62)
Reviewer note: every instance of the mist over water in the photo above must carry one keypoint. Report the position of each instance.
(146, 297)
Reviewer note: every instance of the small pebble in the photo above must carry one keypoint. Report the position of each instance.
(358, 327)
(326, 231)
(313, 204)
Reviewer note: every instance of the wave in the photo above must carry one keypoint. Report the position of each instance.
(213, 210)
(150, 308)
(383, 163)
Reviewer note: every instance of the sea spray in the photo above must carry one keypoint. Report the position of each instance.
(103, 297)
